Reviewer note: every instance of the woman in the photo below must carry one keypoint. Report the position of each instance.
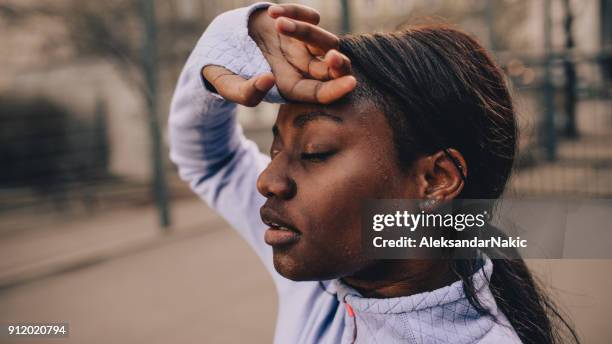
(421, 113)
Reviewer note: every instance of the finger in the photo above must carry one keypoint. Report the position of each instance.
(324, 92)
(333, 66)
(256, 88)
(339, 64)
(237, 89)
(307, 33)
(295, 11)
(318, 69)
(297, 54)
(333, 90)
(315, 51)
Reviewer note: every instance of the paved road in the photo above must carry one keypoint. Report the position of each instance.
(207, 288)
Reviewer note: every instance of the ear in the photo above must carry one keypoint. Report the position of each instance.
(439, 177)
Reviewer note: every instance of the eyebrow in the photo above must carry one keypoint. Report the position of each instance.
(302, 119)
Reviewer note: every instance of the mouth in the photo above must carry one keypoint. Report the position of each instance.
(280, 231)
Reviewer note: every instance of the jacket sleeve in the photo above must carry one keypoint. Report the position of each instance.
(206, 141)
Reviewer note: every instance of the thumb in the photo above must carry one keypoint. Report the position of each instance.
(255, 89)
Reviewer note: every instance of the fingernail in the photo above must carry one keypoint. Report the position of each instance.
(287, 25)
(276, 10)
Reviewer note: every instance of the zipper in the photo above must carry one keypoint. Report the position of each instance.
(351, 314)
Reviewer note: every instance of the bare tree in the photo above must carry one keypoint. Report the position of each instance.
(127, 34)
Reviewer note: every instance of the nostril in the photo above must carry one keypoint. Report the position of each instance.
(274, 181)
(283, 188)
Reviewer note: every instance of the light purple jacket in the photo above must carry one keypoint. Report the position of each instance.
(222, 166)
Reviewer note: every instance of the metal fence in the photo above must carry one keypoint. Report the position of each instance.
(565, 116)
(55, 163)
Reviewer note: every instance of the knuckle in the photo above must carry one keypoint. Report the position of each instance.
(335, 42)
(291, 9)
(303, 30)
(317, 93)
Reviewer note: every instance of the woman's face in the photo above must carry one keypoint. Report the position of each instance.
(325, 161)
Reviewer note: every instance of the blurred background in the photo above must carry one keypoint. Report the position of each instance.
(97, 230)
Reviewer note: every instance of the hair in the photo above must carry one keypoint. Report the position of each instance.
(440, 89)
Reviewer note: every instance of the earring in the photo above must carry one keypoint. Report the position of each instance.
(428, 205)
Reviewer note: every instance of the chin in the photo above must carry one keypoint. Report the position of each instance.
(298, 270)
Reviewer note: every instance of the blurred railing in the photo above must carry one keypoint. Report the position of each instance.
(566, 142)
(56, 166)
(55, 163)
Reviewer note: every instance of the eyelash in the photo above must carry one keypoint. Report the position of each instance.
(316, 157)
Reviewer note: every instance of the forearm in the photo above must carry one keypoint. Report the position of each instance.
(203, 127)
(206, 141)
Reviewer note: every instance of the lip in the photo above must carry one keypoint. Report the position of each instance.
(277, 237)
(280, 231)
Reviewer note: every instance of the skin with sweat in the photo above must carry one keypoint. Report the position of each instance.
(327, 158)
(325, 161)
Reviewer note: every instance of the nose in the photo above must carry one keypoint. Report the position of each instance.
(274, 181)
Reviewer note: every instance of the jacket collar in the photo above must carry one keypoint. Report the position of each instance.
(436, 298)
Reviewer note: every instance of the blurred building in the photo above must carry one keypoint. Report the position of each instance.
(41, 60)
(81, 55)
(37, 48)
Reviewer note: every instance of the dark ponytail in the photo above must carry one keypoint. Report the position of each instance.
(532, 313)
(439, 89)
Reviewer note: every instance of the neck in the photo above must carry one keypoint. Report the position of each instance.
(395, 278)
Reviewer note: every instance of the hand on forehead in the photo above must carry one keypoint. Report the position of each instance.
(305, 64)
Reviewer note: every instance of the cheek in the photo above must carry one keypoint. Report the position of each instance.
(331, 197)
(355, 175)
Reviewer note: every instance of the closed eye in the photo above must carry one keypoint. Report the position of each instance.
(317, 157)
